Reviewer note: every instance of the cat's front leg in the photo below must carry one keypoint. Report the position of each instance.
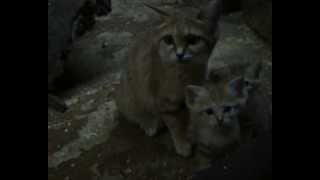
(177, 127)
(150, 126)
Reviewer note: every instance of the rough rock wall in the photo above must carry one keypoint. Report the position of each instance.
(258, 15)
(60, 16)
(68, 20)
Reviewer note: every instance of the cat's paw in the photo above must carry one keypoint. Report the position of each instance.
(184, 149)
(150, 128)
(151, 131)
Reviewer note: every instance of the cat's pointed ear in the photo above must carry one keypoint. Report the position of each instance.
(241, 87)
(193, 94)
(211, 13)
(157, 10)
(235, 86)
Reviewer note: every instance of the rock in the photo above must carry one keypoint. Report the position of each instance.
(88, 105)
(99, 125)
(56, 103)
(67, 21)
(230, 6)
(72, 101)
(237, 45)
(84, 20)
(104, 49)
(60, 17)
(103, 7)
(258, 15)
(106, 176)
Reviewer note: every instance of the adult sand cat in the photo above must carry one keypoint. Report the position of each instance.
(161, 63)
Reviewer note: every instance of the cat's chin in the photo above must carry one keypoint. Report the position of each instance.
(184, 61)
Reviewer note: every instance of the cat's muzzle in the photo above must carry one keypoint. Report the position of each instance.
(184, 58)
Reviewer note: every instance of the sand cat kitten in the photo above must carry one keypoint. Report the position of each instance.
(216, 108)
(214, 119)
(161, 63)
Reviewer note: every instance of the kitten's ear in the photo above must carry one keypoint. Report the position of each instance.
(157, 10)
(211, 13)
(235, 87)
(193, 94)
(241, 87)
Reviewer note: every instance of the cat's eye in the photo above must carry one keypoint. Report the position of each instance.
(214, 77)
(209, 111)
(227, 109)
(192, 40)
(247, 83)
(168, 39)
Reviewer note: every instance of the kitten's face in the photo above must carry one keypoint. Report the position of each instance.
(214, 119)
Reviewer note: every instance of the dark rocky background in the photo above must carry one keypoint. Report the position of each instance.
(87, 46)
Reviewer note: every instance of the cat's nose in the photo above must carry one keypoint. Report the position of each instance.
(180, 56)
(180, 53)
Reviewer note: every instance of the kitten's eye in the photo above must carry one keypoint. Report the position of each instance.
(209, 111)
(247, 83)
(227, 109)
(168, 39)
(214, 77)
(192, 40)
